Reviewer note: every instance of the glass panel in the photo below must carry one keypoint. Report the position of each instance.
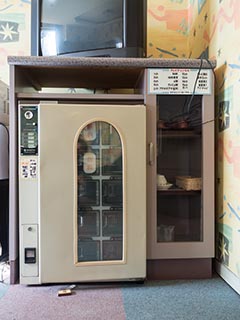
(179, 169)
(88, 250)
(112, 250)
(112, 192)
(88, 224)
(112, 161)
(88, 192)
(112, 223)
(100, 194)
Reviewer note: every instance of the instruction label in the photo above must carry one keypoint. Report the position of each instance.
(28, 168)
(180, 81)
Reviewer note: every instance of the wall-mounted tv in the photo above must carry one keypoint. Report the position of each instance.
(92, 28)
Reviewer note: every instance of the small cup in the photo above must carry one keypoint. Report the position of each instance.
(161, 180)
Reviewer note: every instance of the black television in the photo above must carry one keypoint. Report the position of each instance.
(88, 28)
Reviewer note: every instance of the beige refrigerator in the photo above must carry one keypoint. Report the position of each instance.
(82, 192)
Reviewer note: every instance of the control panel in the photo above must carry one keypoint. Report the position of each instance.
(29, 130)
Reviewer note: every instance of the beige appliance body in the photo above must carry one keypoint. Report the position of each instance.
(63, 238)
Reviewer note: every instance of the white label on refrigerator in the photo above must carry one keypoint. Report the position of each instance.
(179, 81)
(28, 168)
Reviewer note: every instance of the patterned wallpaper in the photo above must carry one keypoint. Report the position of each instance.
(14, 32)
(168, 28)
(199, 29)
(224, 45)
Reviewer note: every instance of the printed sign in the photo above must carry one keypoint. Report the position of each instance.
(180, 81)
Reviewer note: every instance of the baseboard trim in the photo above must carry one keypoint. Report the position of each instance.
(172, 269)
(228, 276)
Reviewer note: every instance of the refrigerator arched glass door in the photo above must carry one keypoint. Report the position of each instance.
(99, 193)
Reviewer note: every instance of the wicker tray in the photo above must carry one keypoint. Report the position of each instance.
(189, 183)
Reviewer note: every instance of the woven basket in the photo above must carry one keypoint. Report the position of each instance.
(189, 183)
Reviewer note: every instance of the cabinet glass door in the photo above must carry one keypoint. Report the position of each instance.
(179, 169)
(100, 195)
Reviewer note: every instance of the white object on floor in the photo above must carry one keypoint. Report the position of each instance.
(4, 272)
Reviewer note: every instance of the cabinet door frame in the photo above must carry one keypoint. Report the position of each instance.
(182, 250)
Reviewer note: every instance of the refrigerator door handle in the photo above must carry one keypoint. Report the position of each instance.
(151, 154)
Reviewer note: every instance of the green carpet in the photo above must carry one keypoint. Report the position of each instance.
(182, 300)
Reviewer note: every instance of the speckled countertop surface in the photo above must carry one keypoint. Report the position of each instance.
(110, 62)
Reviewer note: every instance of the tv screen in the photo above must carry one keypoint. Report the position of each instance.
(88, 28)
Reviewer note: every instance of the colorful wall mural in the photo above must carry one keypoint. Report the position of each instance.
(198, 45)
(223, 38)
(168, 28)
(213, 31)
(177, 28)
(180, 29)
(14, 32)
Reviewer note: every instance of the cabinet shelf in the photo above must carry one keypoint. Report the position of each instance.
(173, 191)
(179, 133)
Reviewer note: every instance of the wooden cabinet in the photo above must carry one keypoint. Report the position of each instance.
(181, 207)
(180, 142)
